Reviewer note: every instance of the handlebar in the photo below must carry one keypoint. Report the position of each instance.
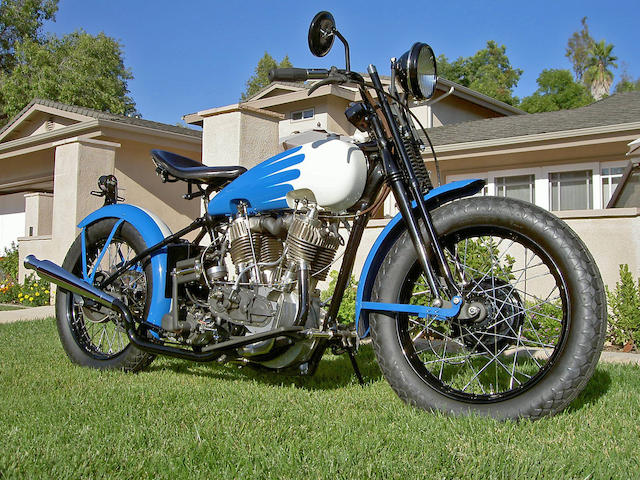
(297, 74)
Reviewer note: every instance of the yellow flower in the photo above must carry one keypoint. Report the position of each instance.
(46, 291)
(31, 299)
(37, 294)
(20, 295)
(21, 300)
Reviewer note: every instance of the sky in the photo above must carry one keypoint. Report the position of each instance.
(192, 55)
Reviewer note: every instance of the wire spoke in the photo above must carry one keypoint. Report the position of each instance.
(522, 310)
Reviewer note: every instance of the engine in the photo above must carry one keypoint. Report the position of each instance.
(276, 262)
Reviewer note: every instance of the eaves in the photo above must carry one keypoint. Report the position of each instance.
(538, 137)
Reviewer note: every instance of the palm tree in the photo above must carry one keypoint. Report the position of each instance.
(597, 75)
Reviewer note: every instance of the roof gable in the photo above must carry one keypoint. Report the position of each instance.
(32, 120)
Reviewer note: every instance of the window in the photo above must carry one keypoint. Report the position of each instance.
(521, 187)
(610, 179)
(302, 114)
(571, 190)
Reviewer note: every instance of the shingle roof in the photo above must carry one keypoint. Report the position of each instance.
(89, 112)
(614, 110)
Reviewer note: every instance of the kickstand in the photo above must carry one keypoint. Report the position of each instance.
(354, 364)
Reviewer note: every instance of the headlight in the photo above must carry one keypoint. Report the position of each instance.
(417, 72)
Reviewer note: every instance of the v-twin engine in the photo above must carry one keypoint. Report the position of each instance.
(307, 240)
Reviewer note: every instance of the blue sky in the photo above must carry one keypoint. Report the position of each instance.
(192, 55)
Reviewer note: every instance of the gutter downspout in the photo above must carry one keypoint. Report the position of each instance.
(433, 102)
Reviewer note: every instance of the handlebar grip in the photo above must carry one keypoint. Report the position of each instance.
(297, 74)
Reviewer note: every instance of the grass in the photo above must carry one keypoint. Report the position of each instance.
(185, 420)
(5, 307)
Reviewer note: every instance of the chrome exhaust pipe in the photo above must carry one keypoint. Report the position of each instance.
(65, 280)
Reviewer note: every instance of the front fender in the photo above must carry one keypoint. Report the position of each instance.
(152, 230)
(386, 239)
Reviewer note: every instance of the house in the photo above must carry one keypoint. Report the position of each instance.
(51, 156)
(568, 162)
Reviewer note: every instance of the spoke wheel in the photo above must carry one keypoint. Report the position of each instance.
(514, 320)
(93, 335)
(531, 328)
(99, 331)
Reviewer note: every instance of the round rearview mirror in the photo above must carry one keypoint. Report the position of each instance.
(321, 34)
(417, 71)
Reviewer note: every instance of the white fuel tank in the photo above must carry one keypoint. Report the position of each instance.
(333, 174)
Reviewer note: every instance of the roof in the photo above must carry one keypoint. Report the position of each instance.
(443, 85)
(97, 114)
(617, 109)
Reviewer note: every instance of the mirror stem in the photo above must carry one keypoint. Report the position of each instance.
(346, 48)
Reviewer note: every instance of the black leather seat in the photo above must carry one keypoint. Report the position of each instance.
(189, 170)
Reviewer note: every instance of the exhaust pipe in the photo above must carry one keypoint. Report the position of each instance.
(65, 280)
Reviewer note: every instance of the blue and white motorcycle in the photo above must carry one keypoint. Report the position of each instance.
(474, 305)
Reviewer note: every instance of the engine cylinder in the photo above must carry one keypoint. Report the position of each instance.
(310, 242)
(243, 243)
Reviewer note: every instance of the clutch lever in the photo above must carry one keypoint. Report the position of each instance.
(337, 78)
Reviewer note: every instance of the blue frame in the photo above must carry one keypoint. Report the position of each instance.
(151, 231)
(421, 311)
(395, 227)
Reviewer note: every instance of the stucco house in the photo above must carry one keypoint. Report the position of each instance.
(567, 161)
(51, 156)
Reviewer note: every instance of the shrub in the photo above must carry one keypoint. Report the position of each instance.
(347, 311)
(9, 264)
(624, 309)
(32, 293)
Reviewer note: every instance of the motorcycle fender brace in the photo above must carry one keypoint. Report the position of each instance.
(436, 197)
(153, 230)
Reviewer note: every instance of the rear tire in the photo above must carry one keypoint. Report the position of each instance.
(94, 337)
(550, 303)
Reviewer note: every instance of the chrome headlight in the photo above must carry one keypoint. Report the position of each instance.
(416, 70)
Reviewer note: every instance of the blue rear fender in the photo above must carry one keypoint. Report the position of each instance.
(153, 230)
(436, 197)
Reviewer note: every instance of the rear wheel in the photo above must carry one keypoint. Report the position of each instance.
(532, 326)
(92, 335)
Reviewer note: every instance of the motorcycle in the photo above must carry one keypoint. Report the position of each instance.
(474, 304)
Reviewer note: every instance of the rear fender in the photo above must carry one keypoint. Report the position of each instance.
(436, 197)
(152, 230)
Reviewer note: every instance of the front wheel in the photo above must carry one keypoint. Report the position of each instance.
(531, 328)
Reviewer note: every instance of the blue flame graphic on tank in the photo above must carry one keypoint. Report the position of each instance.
(264, 187)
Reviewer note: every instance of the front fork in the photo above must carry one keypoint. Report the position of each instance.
(412, 212)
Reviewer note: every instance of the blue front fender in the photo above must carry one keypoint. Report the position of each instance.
(152, 230)
(435, 198)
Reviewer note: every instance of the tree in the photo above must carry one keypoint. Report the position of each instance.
(78, 68)
(557, 90)
(22, 20)
(489, 71)
(627, 84)
(260, 78)
(577, 51)
(597, 75)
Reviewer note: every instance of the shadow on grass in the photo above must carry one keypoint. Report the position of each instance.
(597, 387)
(333, 372)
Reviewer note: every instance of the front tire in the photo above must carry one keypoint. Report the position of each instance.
(93, 336)
(533, 337)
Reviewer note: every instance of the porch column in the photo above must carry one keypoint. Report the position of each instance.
(79, 163)
(239, 135)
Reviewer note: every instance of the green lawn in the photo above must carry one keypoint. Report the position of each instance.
(9, 307)
(183, 420)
